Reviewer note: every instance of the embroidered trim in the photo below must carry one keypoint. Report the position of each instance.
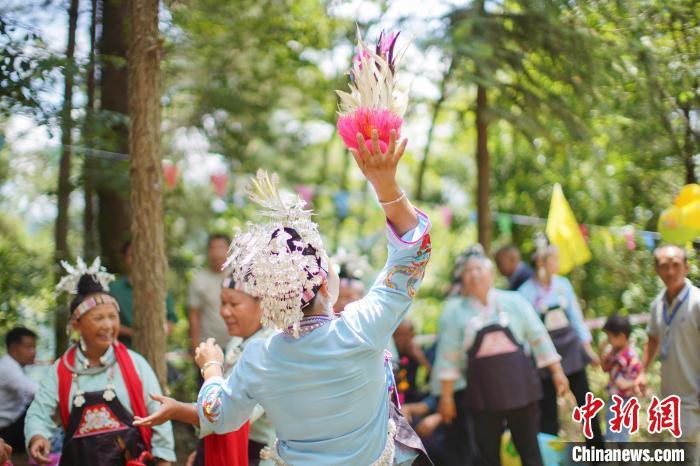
(385, 459)
(93, 302)
(211, 403)
(307, 325)
(98, 419)
(414, 272)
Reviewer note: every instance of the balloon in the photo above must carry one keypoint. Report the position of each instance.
(689, 193)
(690, 215)
(673, 229)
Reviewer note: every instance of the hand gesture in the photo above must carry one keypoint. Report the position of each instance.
(39, 449)
(208, 351)
(165, 413)
(379, 168)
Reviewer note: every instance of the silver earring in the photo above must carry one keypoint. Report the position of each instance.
(83, 346)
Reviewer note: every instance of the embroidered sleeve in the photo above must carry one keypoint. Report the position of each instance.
(376, 316)
(225, 405)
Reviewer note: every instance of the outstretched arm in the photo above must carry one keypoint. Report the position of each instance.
(376, 316)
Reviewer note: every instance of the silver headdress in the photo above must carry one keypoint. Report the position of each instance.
(281, 260)
(69, 282)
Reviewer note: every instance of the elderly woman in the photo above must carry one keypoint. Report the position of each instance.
(241, 313)
(486, 341)
(554, 299)
(97, 387)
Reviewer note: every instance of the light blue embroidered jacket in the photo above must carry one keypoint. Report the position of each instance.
(326, 392)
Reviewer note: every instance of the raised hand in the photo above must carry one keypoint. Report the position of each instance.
(380, 170)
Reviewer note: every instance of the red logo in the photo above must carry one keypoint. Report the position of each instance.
(665, 415)
(587, 412)
(626, 415)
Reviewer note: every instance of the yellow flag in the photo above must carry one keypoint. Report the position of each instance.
(564, 232)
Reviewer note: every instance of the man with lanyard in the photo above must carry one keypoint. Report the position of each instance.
(674, 328)
(486, 337)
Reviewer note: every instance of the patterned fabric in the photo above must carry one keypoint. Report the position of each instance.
(623, 364)
(97, 420)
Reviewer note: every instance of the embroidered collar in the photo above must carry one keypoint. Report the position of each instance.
(308, 324)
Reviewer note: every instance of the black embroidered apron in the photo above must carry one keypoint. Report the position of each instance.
(565, 339)
(500, 376)
(93, 433)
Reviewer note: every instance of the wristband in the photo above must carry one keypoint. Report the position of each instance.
(211, 363)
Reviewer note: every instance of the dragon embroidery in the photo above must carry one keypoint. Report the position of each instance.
(414, 272)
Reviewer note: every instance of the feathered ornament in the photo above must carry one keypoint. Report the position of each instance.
(376, 101)
(69, 282)
(281, 260)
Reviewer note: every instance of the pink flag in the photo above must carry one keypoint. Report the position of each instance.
(170, 174)
(220, 180)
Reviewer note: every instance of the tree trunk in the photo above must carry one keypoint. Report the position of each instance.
(689, 150)
(112, 187)
(90, 238)
(150, 264)
(483, 170)
(426, 152)
(64, 186)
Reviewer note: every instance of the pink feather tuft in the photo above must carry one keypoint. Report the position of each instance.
(364, 120)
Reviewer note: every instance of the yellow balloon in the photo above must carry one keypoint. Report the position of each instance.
(673, 229)
(689, 193)
(690, 215)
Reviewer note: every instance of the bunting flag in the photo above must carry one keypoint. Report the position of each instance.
(306, 192)
(220, 180)
(629, 238)
(649, 240)
(505, 224)
(341, 200)
(564, 232)
(446, 215)
(170, 174)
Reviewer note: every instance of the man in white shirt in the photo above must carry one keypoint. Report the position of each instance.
(674, 333)
(17, 390)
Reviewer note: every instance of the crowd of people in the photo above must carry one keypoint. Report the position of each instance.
(300, 364)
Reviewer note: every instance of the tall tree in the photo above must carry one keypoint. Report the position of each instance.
(149, 267)
(112, 186)
(522, 58)
(64, 184)
(89, 233)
